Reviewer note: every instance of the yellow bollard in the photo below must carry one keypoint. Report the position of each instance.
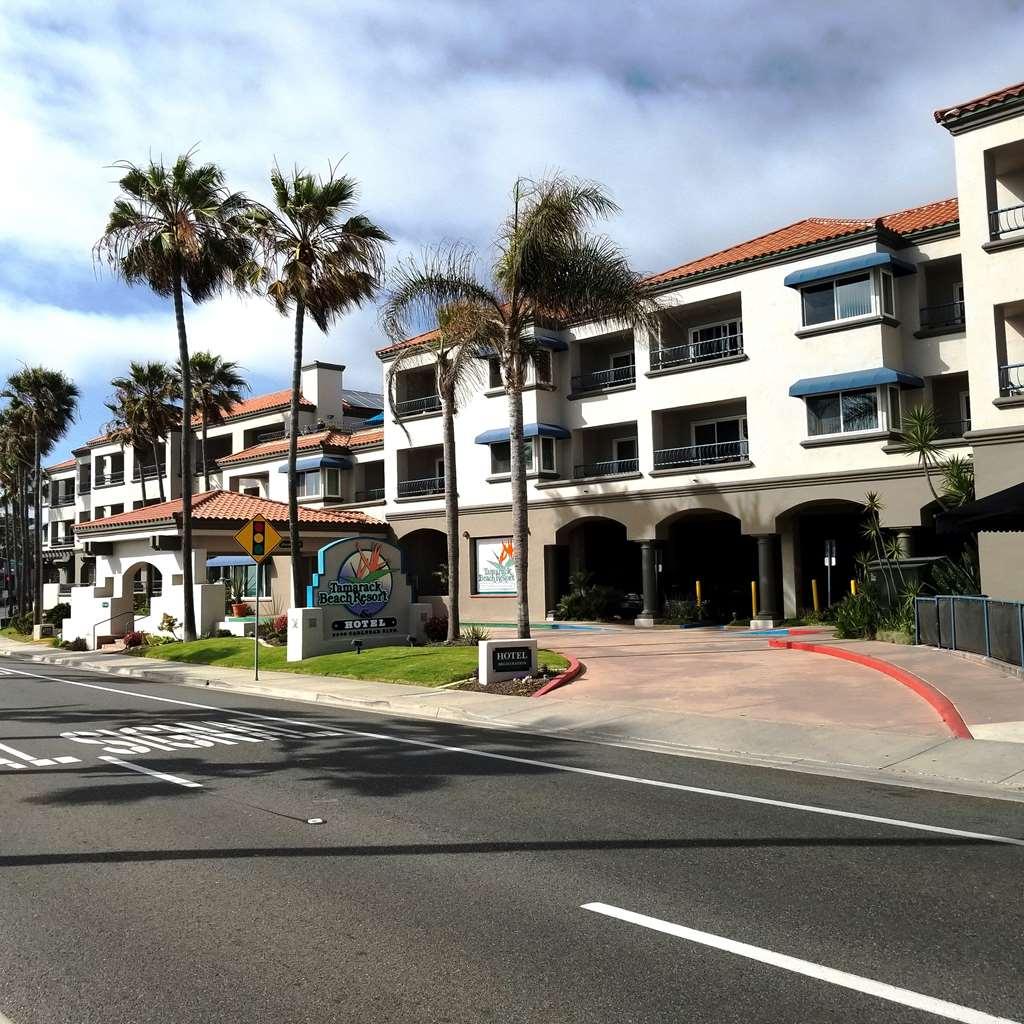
(753, 599)
(815, 600)
(853, 587)
(699, 593)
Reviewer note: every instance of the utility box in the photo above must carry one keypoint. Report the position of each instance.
(506, 659)
(43, 631)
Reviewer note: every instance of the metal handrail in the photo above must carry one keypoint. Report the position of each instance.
(610, 467)
(1006, 220)
(616, 376)
(109, 480)
(423, 486)
(413, 406)
(945, 314)
(373, 494)
(1011, 379)
(110, 619)
(702, 454)
(697, 351)
(951, 428)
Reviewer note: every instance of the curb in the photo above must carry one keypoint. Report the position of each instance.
(563, 678)
(939, 702)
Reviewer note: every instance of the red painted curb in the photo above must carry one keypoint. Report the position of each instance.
(942, 705)
(574, 669)
(804, 631)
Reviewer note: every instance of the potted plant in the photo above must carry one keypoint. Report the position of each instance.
(236, 590)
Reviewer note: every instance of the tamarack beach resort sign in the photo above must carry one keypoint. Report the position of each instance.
(359, 596)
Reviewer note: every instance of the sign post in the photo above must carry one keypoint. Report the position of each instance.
(258, 539)
(830, 562)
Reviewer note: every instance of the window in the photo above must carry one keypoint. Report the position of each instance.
(712, 340)
(625, 452)
(494, 373)
(837, 300)
(439, 467)
(894, 409)
(965, 409)
(308, 484)
(501, 456)
(332, 482)
(888, 293)
(958, 300)
(717, 432)
(245, 574)
(542, 366)
(842, 412)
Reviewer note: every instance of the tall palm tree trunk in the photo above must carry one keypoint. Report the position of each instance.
(293, 453)
(37, 531)
(142, 480)
(520, 528)
(451, 514)
(189, 624)
(159, 472)
(26, 561)
(202, 448)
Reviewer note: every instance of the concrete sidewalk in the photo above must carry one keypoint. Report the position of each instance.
(977, 767)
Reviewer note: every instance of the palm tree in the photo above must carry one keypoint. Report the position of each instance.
(179, 231)
(216, 388)
(145, 413)
(455, 351)
(48, 402)
(919, 431)
(15, 464)
(324, 260)
(548, 266)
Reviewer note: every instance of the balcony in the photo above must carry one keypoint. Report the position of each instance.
(946, 430)
(601, 380)
(1006, 221)
(84, 486)
(1011, 380)
(422, 488)
(60, 500)
(418, 406)
(715, 454)
(942, 318)
(673, 357)
(109, 479)
(374, 494)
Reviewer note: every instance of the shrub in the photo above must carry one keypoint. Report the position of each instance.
(169, 624)
(281, 623)
(244, 610)
(57, 614)
(857, 616)
(473, 635)
(21, 623)
(134, 639)
(685, 612)
(78, 644)
(588, 600)
(436, 628)
(155, 640)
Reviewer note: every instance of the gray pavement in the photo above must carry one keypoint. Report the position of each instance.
(933, 760)
(169, 873)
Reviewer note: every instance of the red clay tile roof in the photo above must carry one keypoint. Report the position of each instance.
(228, 507)
(60, 466)
(990, 99)
(415, 340)
(261, 403)
(339, 439)
(94, 441)
(918, 218)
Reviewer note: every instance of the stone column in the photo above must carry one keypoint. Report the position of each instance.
(649, 568)
(550, 578)
(905, 540)
(767, 580)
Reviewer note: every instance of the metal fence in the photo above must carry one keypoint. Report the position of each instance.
(979, 625)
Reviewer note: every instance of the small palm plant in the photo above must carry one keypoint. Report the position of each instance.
(919, 431)
(217, 387)
(454, 349)
(548, 266)
(322, 259)
(179, 231)
(47, 402)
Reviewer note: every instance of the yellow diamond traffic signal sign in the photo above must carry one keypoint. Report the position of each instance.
(258, 539)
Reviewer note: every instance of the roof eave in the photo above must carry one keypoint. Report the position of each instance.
(957, 122)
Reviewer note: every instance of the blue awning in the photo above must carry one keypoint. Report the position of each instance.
(551, 344)
(223, 561)
(529, 430)
(318, 462)
(799, 278)
(374, 421)
(849, 381)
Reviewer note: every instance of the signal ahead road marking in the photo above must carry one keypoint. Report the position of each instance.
(176, 779)
(929, 1004)
(679, 787)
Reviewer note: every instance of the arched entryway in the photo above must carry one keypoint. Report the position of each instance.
(598, 548)
(707, 545)
(426, 561)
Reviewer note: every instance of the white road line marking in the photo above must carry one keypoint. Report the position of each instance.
(38, 762)
(176, 779)
(593, 772)
(929, 1004)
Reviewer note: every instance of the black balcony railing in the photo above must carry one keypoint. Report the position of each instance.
(151, 472)
(599, 380)
(673, 356)
(421, 488)
(372, 494)
(945, 316)
(702, 454)
(611, 467)
(84, 486)
(59, 500)
(109, 479)
(418, 406)
(945, 429)
(1011, 380)
(1006, 221)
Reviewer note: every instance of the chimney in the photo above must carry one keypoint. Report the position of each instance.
(322, 384)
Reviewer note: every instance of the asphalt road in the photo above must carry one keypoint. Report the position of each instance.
(462, 875)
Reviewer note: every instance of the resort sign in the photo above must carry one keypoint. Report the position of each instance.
(358, 597)
(495, 566)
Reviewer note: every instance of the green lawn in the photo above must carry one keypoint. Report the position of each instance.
(426, 666)
(26, 638)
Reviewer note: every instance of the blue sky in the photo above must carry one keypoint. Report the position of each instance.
(710, 121)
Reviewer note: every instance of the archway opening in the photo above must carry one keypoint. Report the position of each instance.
(597, 549)
(817, 527)
(426, 562)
